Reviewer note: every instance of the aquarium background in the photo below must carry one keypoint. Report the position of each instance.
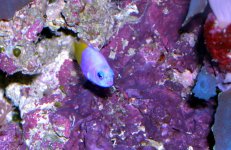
(171, 63)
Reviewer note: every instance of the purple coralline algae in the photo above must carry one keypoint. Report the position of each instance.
(11, 137)
(10, 132)
(155, 69)
(71, 12)
(7, 64)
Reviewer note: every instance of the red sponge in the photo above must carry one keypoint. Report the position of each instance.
(218, 42)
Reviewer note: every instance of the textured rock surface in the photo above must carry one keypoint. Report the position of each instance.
(155, 69)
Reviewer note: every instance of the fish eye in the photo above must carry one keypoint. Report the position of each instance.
(100, 75)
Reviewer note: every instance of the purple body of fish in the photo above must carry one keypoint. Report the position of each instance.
(9, 7)
(96, 68)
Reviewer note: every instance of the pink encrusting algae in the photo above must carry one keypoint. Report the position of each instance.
(146, 102)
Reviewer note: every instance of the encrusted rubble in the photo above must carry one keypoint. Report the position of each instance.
(155, 69)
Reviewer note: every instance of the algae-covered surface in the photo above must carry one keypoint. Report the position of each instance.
(47, 103)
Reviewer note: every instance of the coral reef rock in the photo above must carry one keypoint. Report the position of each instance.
(155, 69)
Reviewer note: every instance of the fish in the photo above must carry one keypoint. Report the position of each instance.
(222, 11)
(195, 7)
(93, 64)
(222, 122)
(9, 7)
